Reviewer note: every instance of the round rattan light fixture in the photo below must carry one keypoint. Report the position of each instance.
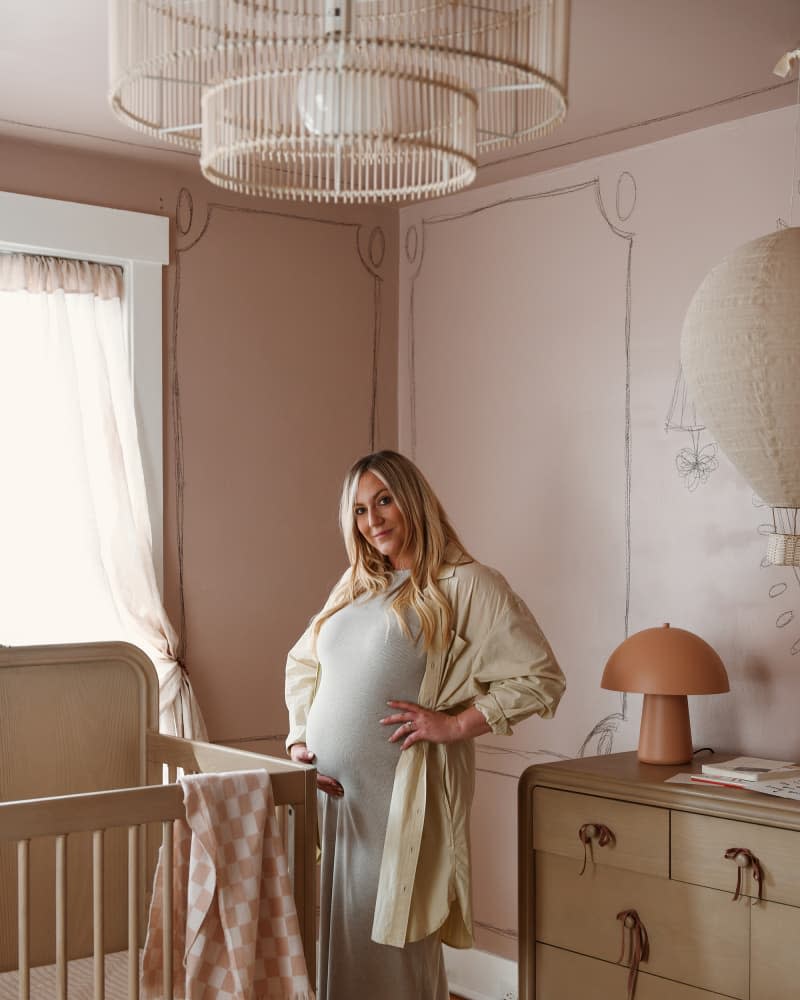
(363, 100)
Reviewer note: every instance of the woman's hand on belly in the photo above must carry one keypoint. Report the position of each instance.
(300, 754)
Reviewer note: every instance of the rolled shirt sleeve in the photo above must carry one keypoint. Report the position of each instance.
(516, 671)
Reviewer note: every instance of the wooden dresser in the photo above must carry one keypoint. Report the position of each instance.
(664, 859)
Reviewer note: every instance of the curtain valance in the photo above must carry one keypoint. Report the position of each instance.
(37, 273)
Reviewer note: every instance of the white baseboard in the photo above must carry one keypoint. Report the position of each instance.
(478, 975)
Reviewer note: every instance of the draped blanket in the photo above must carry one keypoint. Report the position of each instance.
(236, 933)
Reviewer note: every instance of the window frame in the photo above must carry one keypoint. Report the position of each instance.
(139, 244)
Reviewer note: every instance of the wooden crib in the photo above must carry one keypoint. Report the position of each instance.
(86, 794)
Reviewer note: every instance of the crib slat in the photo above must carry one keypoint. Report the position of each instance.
(167, 853)
(97, 915)
(23, 918)
(305, 841)
(133, 913)
(282, 816)
(288, 834)
(61, 917)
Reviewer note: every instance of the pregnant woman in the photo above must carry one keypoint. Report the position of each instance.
(418, 649)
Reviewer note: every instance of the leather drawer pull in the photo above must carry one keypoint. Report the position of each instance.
(590, 832)
(746, 859)
(638, 946)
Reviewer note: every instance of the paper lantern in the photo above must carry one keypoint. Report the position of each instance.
(740, 351)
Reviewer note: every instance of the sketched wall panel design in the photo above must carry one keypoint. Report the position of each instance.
(534, 388)
(541, 420)
(275, 373)
(539, 362)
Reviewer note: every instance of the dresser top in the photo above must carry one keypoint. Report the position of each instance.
(622, 775)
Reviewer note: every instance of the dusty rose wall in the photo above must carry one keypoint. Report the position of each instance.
(543, 319)
(540, 324)
(282, 321)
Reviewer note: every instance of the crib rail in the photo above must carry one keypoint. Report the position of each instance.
(135, 810)
(195, 757)
(53, 817)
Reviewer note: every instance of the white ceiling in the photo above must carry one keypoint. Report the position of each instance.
(639, 70)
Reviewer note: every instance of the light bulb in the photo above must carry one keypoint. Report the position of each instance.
(337, 98)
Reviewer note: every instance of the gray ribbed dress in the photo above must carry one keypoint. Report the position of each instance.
(365, 660)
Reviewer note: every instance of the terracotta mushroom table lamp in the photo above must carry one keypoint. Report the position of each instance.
(665, 664)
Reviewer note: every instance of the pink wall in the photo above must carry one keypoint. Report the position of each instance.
(277, 392)
(284, 334)
(544, 315)
(540, 323)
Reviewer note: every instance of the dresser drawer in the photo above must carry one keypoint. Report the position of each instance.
(698, 855)
(774, 955)
(563, 975)
(696, 936)
(641, 833)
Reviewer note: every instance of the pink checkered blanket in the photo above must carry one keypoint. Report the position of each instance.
(236, 934)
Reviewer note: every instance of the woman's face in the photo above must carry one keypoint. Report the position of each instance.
(379, 520)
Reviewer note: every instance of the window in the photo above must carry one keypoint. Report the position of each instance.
(139, 244)
(80, 435)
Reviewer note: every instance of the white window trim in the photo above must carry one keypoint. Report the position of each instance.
(138, 243)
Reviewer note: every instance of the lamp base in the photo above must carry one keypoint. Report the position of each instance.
(665, 736)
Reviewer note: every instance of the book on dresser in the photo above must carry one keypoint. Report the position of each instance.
(749, 769)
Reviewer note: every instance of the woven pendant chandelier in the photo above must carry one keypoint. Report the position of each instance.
(363, 100)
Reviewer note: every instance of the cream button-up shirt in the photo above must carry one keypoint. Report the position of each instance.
(498, 660)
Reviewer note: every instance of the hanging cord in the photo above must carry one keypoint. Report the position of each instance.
(795, 178)
(746, 859)
(782, 68)
(638, 946)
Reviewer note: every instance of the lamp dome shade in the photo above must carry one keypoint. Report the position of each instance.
(740, 352)
(665, 660)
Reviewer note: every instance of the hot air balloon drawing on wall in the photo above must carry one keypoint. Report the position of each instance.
(695, 462)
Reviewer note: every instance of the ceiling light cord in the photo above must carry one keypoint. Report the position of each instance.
(782, 68)
(796, 161)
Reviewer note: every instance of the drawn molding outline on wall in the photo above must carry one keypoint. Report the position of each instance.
(600, 738)
(370, 247)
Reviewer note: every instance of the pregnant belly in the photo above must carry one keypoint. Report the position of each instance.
(345, 733)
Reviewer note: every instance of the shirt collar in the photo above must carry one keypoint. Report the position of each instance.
(453, 557)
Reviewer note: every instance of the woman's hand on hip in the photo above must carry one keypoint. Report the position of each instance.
(300, 754)
(416, 723)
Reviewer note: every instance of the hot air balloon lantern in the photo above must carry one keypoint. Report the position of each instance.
(740, 352)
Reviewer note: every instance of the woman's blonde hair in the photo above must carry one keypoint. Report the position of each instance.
(429, 535)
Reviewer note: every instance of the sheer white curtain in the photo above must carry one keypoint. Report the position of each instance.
(76, 559)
